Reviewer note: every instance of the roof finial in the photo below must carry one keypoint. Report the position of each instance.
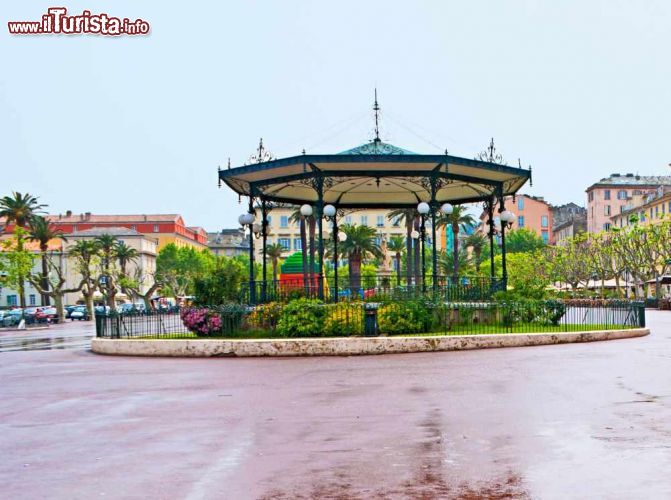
(376, 109)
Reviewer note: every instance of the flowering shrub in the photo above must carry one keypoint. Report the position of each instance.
(202, 322)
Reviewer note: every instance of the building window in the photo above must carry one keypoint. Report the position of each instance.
(378, 240)
(396, 221)
(12, 300)
(348, 219)
(364, 220)
(606, 209)
(520, 203)
(284, 221)
(544, 235)
(268, 220)
(380, 221)
(74, 228)
(298, 244)
(133, 227)
(622, 194)
(590, 196)
(663, 209)
(657, 211)
(31, 299)
(156, 228)
(606, 194)
(520, 221)
(544, 221)
(284, 243)
(606, 226)
(623, 208)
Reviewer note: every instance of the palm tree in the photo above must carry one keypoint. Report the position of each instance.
(446, 260)
(458, 219)
(85, 253)
(107, 243)
(408, 215)
(274, 251)
(42, 231)
(124, 254)
(359, 245)
(397, 245)
(477, 242)
(298, 218)
(18, 209)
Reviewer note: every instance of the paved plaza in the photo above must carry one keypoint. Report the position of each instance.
(566, 421)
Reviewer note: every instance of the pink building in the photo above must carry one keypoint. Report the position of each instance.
(613, 195)
(533, 213)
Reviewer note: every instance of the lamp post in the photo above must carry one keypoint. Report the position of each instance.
(330, 214)
(306, 211)
(446, 209)
(247, 219)
(423, 209)
(506, 218)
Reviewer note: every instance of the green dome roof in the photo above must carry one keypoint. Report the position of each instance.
(377, 147)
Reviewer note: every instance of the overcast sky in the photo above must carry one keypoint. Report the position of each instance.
(139, 124)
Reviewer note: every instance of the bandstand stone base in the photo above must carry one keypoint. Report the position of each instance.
(345, 346)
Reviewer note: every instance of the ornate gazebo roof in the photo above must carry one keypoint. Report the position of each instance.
(375, 175)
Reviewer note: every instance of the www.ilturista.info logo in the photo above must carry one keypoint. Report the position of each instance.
(57, 22)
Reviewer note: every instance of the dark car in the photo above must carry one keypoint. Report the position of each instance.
(79, 313)
(46, 315)
(69, 309)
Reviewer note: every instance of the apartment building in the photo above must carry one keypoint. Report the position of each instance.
(645, 209)
(533, 213)
(228, 242)
(613, 195)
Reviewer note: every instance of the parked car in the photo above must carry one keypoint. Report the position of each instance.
(46, 315)
(105, 310)
(14, 317)
(69, 309)
(79, 313)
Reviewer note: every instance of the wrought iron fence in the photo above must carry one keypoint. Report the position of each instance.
(312, 318)
(371, 288)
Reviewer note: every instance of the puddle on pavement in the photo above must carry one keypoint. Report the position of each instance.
(43, 344)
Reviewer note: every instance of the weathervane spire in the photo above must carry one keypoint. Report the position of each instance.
(376, 109)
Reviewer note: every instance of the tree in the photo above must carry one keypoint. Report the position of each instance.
(359, 245)
(106, 244)
(16, 263)
(220, 284)
(18, 209)
(274, 252)
(56, 283)
(397, 245)
(523, 240)
(458, 219)
(42, 231)
(125, 255)
(298, 218)
(529, 274)
(569, 263)
(446, 260)
(86, 257)
(407, 215)
(178, 267)
(477, 242)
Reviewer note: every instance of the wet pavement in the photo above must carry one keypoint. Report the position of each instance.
(565, 421)
(67, 335)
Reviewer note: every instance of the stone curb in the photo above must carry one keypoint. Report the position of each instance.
(345, 346)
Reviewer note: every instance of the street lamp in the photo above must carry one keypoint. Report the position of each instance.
(507, 218)
(330, 214)
(447, 209)
(306, 210)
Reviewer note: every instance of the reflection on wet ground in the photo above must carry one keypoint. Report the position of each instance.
(8, 344)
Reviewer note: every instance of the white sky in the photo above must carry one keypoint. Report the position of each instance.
(139, 124)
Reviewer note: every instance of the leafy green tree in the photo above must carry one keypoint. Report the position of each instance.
(57, 281)
(42, 231)
(18, 209)
(107, 244)
(523, 240)
(529, 273)
(359, 245)
(220, 284)
(458, 219)
(16, 263)
(178, 268)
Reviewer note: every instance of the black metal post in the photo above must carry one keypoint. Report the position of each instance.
(434, 250)
(423, 236)
(335, 256)
(264, 238)
(491, 237)
(320, 237)
(252, 290)
(502, 207)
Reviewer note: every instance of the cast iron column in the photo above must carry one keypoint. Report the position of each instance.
(502, 207)
(490, 209)
(423, 236)
(320, 224)
(252, 290)
(434, 253)
(264, 237)
(335, 256)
